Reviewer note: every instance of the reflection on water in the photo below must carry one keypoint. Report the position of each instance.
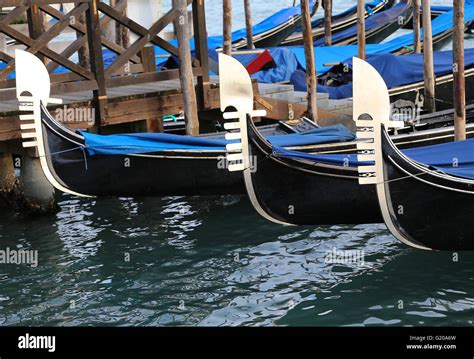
(213, 261)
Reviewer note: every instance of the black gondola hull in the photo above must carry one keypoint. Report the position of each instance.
(427, 208)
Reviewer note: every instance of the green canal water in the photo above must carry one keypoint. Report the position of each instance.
(214, 261)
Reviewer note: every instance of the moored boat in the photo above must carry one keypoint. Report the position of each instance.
(426, 201)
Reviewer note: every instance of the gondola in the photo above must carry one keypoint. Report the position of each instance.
(69, 163)
(292, 187)
(426, 205)
(339, 23)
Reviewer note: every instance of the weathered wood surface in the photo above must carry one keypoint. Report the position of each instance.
(459, 92)
(429, 76)
(361, 28)
(311, 80)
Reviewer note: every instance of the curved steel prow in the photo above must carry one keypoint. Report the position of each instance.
(371, 97)
(33, 90)
(236, 91)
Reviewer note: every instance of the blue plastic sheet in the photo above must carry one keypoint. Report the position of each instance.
(372, 22)
(155, 142)
(328, 54)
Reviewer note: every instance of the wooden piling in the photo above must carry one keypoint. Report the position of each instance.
(185, 69)
(430, 95)
(309, 58)
(416, 26)
(327, 22)
(248, 25)
(35, 24)
(94, 41)
(8, 184)
(83, 52)
(459, 90)
(227, 46)
(361, 28)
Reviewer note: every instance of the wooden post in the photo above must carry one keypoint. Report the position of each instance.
(227, 46)
(35, 24)
(201, 53)
(185, 68)
(96, 62)
(248, 25)
(311, 79)
(122, 33)
(327, 22)
(83, 53)
(430, 103)
(147, 55)
(361, 28)
(416, 26)
(458, 72)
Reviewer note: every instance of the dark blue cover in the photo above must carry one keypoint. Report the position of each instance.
(455, 158)
(395, 70)
(154, 142)
(328, 54)
(372, 22)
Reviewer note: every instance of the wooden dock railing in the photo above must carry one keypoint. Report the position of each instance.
(88, 19)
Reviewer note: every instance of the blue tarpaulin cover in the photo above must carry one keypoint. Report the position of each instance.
(455, 158)
(328, 54)
(372, 22)
(155, 142)
(395, 70)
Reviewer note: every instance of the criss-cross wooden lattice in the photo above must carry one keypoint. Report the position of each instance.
(87, 18)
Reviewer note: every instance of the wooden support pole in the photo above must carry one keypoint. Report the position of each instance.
(309, 58)
(227, 46)
(123, 34)
(430, 96)
(361, 28)
(186, 69)
(83, 53)
(153, 124)
(416, 25)
(35, 24)
(459, 95)
(327, 22)
(201, 53)
(94, 40)
(248, 25)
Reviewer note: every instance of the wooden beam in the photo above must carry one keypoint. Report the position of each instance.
(35, 23)
(39, 45)
(201, 53)
(227, 24)
(97, 61)
(311, 80)
(459, 95)
(186, 69)
(430, 95)
(416, 25)
(327, 22)
(147, 35)
(361, 28)
(248, 24)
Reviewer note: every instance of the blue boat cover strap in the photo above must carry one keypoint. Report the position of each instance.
(455, 158)
(136, 143)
